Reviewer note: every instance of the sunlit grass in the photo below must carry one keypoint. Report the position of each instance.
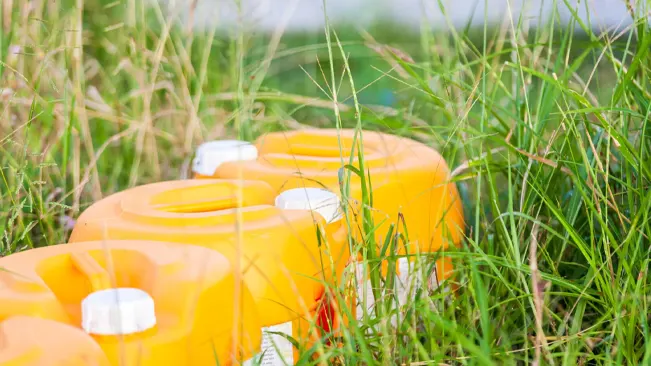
(545, 131)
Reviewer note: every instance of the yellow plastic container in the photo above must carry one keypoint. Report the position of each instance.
(144, 303)
(30, 341)
(406, 177)
(277, 250)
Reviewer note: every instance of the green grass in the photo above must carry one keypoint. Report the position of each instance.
(547, 133)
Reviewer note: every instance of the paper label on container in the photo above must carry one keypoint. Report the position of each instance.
(254, 361)
(276, 350)
(408, 281)
(364, 292)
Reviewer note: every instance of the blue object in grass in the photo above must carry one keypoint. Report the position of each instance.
(384, 97)
(387, 97)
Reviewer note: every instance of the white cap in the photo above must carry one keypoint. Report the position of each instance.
(117, 311)
(320, 200)
(211, 155)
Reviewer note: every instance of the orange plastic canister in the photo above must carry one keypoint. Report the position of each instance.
(276, 250)
(30, 341)
(406, 177)
(143, 303)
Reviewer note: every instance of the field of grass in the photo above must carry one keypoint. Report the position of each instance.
(546, 131)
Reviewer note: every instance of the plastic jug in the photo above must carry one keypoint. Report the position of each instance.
(30, 341)
(406, 177)
(144, 303)
(277, 250)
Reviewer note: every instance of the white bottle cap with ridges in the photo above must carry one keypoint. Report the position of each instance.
(211, 155)
(117, 311)
(320, 200)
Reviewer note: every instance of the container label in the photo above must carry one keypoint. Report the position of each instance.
(364, 292)
(276, 350)
(408, 280)
(253, 361)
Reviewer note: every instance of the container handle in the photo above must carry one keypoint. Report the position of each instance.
(96, 274)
